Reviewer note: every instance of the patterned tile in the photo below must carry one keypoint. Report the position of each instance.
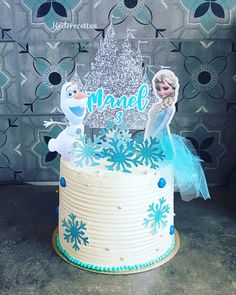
(61, 20)
(39, 163)
(143, 19)
(11, 167)
(44, 68)
(225, 126)
(209, 16)
(9, 95)
(6, 26)
(208, 140)
(34, 57)
(203, 69)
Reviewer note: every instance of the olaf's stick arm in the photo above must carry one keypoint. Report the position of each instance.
(46, 124)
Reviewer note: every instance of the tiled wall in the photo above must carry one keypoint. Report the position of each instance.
(195, 38)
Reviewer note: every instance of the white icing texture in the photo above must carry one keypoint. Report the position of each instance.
(114, 208)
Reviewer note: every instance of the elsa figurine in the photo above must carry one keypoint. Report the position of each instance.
(190, 180)
(165, 86)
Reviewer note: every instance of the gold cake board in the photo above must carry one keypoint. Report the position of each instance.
(124, 272)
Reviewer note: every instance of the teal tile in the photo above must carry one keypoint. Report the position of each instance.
(45, 68)
(6, 21)
(40, 20)
(39, 163)
(11, 167)
(10, 96)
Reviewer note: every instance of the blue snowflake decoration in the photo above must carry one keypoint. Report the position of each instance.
(147, 153)
(157, 219)
(112, 131)
(74, 232)
(86, 153)
(115, 145)
(121, 156)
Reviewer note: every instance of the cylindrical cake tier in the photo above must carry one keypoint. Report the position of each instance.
(114, 219)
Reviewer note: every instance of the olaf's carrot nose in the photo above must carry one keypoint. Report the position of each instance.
(80, 95)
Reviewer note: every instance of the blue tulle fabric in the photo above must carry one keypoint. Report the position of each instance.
(189, 176)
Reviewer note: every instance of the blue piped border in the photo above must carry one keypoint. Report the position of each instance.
(114, 268)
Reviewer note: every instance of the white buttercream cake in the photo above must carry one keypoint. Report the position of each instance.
(111, 221)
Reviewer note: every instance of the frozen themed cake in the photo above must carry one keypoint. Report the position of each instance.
(116, 198)
(112, 221)
(116, 207)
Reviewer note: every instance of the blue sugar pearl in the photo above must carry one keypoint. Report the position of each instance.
(57, 210)
(63, 182)
(172, 229)
(161, 182)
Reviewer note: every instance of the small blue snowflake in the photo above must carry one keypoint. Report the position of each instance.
(157, 217)
(124, 136)
(121, 156)
(148, 154)
(112, 131)
(86, 152)
(74, 232)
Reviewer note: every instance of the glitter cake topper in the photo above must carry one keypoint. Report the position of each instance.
(120, 75)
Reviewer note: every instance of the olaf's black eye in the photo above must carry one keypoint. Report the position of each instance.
(75, 91)
(70, 93)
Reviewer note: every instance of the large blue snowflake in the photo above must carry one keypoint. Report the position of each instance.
(147, 153)
(86, 152)
(121, 156)
(74, 232)
(157, 218)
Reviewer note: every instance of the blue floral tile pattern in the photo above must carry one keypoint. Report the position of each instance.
(204, 77)
(206, 73)
(136, 8)
(209, 13)
(53, 76)
(207, 144)
(40, 148)
(50, 12)
(48, 73)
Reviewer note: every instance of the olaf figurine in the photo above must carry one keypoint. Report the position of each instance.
(73, 105)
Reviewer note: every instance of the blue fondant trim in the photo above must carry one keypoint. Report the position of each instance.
(113, 268)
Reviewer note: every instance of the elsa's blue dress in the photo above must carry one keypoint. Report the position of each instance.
(189, 177)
